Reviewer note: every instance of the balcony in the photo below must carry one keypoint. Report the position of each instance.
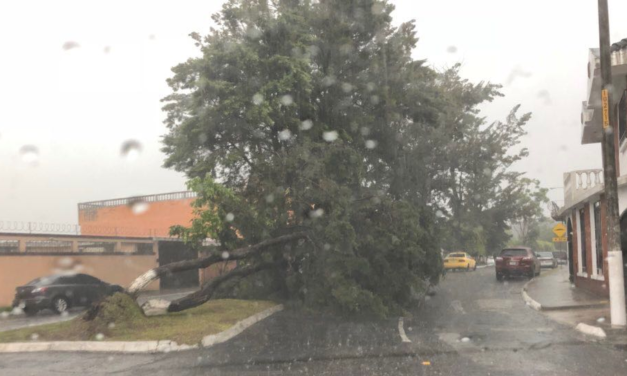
(580, 185)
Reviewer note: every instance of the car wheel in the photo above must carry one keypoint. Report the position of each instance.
(468, 267)
(60, 304)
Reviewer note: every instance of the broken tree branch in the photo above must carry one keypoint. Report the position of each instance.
(203, 262)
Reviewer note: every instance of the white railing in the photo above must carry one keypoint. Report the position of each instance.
(578, 184)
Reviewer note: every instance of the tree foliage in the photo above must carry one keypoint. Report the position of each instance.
(313, 116)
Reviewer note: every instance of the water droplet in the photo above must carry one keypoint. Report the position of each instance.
(65, 262)
(130, 149)
(306, 125)
(4, 314)
(287, 100)
(229, 217)
(285, 135)
(140, 207)
(370, 86)
(34, 337)
(374, 99)
(270, 198)
(328, 81)
(69, 45)
(327, 246)
(316, 213)
(601, 320)
(257, 99)
(346, 87)
(199, 359)
(17, 311)
(225, 255)
(111, 325)
(99, 337)
(152, 37)
(377, 8)
(451, 49)
(253, 33)
(371, 144)
(30, 154)
(202, 138)
(330, 136)
(365, 131)
(439, 214)
(107, 49)
(65, 314)
(465, 339)
(487, 172)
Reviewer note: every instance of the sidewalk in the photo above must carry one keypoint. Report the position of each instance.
(559, 299)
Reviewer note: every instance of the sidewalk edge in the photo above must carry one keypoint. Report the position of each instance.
(529, 300)
(138, 347)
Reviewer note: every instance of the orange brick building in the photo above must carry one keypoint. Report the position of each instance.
(143, 216)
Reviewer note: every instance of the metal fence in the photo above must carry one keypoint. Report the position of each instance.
(19, 227)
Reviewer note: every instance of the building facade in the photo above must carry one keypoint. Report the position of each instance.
(584, 201)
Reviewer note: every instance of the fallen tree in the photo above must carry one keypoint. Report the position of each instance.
(206, 292)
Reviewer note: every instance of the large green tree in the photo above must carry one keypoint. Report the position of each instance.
(312, 116)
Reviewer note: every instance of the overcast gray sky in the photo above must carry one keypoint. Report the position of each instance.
(78, 106)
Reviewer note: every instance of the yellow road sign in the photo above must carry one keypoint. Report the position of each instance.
(559, 239)
(606, 108)
(559, 230)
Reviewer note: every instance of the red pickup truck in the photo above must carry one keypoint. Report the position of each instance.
(517, 261)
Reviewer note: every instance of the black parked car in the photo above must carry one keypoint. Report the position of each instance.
(59, 292)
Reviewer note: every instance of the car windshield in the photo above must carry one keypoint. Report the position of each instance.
(313, 187)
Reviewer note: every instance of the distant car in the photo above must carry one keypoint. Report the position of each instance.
(459, 260)
(517, 261)
(59, 292)
(547, 260)
(490, 261)
(561, 257)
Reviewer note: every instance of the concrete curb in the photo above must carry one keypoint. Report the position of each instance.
(529, 300)
(591, 330)
(138, 347)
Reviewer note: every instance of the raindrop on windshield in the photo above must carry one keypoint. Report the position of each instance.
(601, 320)
(69, 45)
(111, 325)
(270, 198)
(4, 314)
(374, 99)
(465, 339)
(257, 99)
(365, 131)
(287, 100)
(316, 213)
(253, 33)
(225, 255)
(107, 49)
(285, 135)
(34, 337)
(152, 37)
(371, 144)
(330, 136)
(328, 81)
(306, 125)
(30, 154)
(377, 8)
(140, 207)
(451, 49)
(99, 337)
(346, 87)
(131, 149)
(229, 217)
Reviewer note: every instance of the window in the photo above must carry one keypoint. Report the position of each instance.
(622, 117)
(457, 255)
(85, 279)
(583, 260)
(514, 252)
(597, 238)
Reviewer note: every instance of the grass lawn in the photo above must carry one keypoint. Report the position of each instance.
(119, 322)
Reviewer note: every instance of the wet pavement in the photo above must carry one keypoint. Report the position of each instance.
(474, 325)
(553, 290)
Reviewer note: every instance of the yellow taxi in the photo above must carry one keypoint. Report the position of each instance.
(460, 260)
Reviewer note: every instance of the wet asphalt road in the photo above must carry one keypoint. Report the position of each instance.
(472, 326)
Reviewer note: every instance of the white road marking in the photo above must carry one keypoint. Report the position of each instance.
(401, 330)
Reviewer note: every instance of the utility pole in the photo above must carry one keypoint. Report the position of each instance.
(614, 254)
